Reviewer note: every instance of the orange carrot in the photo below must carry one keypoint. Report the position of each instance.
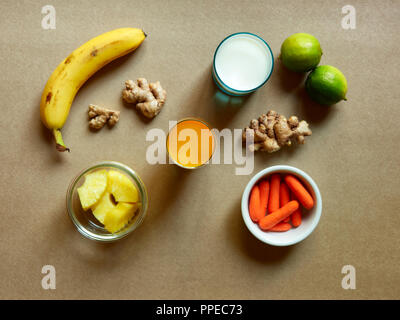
(299, 191)
(284, 197)
(255, 209)
(296, 216)
(264, 194)
(281, 227)
(273, 202)
(277, 216)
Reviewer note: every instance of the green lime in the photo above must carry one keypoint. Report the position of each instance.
(301, 52)
(326, 85)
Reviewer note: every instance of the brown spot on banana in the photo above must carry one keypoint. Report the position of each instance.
(69, 58)
(48, 97)
(96, 51)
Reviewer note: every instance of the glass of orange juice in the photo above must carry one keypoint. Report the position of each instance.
(190, 143)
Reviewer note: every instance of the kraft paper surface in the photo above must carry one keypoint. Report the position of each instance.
(193, 243)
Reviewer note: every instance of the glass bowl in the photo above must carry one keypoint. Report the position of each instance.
(85, 221)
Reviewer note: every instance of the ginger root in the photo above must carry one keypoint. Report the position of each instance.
(100, 116)
(272, 131)
(149, 98)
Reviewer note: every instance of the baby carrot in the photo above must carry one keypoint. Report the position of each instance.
(296, 216)
(281, 227)
(264, 194)
(299, 191)
(277, 216)
(255, 209)
(273, 202)
(284, 197)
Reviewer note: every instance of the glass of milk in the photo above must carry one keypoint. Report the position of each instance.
(243, 62)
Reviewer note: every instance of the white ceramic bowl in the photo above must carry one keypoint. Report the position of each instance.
(309, 220)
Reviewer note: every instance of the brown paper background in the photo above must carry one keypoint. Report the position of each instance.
(193, 243)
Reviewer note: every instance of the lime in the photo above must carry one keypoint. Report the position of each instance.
(301, 52)
(326, 85)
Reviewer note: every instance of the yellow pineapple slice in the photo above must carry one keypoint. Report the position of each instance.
(103, 206)
(118, 217)
(93, 188)
(121, 187)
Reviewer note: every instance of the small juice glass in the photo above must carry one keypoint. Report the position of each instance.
(190, 143)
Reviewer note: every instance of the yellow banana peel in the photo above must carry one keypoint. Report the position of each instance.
(73, 71)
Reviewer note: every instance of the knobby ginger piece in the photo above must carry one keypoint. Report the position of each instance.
(148, 98)
(100, 116)
(271, 131)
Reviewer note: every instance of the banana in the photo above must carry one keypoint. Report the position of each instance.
(73, 71)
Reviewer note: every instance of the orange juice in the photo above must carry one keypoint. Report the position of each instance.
(190, 143)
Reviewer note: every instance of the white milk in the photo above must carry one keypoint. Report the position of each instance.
(243, 62)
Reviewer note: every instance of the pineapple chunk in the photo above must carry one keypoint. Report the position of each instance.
(121, 187)
(93, 188)
(103, 206)
(118, 217)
